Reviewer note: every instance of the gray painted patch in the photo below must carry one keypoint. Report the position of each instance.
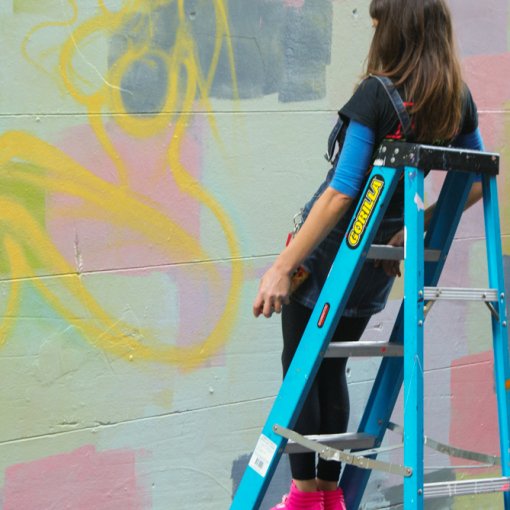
(394, 495)
(277, 50)
(307, 44)
(147, 74)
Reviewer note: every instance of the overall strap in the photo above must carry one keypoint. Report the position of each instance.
(398, 105)
(336, 136)
(338, 131)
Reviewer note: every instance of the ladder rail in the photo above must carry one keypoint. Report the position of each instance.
(499, 321)
(414, 220)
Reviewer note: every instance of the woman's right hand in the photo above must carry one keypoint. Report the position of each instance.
(274, 290)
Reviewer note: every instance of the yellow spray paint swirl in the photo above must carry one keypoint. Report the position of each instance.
(56, 172)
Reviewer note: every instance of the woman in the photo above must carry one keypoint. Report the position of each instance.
(413, 46)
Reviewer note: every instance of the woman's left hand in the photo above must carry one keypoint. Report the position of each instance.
(392, 267)
(274, 290)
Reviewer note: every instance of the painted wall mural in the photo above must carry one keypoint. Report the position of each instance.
(112, 199)
(152, 155)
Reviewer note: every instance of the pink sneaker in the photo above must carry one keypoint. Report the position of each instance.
(334, 500)
(299, 500)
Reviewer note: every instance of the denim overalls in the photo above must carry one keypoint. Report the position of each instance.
(373, 286)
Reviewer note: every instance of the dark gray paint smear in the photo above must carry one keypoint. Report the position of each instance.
(277, 49)
(280, 483)
(373, 496)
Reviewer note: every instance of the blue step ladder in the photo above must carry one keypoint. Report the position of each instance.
(402, 356)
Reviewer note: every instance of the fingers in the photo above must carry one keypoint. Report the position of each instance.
(257, 311)
(268, 309)
(278, 303)
(391, 267)
(274, 290)
(269, 306)
(273, 305)
(258, 305)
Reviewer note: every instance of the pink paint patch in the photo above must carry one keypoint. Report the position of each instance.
(490, 94)
(84, 479)
(106, 241)
(296, 4)
(474, 421)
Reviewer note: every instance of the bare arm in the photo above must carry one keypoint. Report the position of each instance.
(275, 284)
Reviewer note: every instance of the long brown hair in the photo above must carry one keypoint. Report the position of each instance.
(413, 44)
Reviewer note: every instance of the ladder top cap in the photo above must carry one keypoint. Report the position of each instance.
(429, 157)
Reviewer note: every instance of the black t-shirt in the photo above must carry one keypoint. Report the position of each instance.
(371, 106)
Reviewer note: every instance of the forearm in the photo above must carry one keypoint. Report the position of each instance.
(326, 212)
(334, 202)
(275, 285)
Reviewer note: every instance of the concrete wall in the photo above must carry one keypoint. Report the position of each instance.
(152, 155)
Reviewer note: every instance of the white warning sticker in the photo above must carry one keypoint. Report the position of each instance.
(262, 456)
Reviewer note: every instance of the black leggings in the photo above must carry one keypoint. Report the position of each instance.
(326, 409)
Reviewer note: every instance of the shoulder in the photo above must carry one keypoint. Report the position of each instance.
(368, 85)
(370, 89)
(469, 112)
(367, 104)
(371, 106)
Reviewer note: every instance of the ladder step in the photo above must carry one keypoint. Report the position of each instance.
(460, 294)
(363, 349)
(466, 487)
(386, 252)
(347, 441)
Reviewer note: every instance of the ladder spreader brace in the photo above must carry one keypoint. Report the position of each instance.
(402, 361)
(361, 458)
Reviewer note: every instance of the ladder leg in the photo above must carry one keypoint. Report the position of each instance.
(445, 220)
(413, 338)
(390, 376)
(377, 414)
(500, 323)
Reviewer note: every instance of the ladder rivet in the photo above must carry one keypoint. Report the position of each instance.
(502, 295)
(420, 293)
(420, 492)
(420, 323)
(504, 324)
